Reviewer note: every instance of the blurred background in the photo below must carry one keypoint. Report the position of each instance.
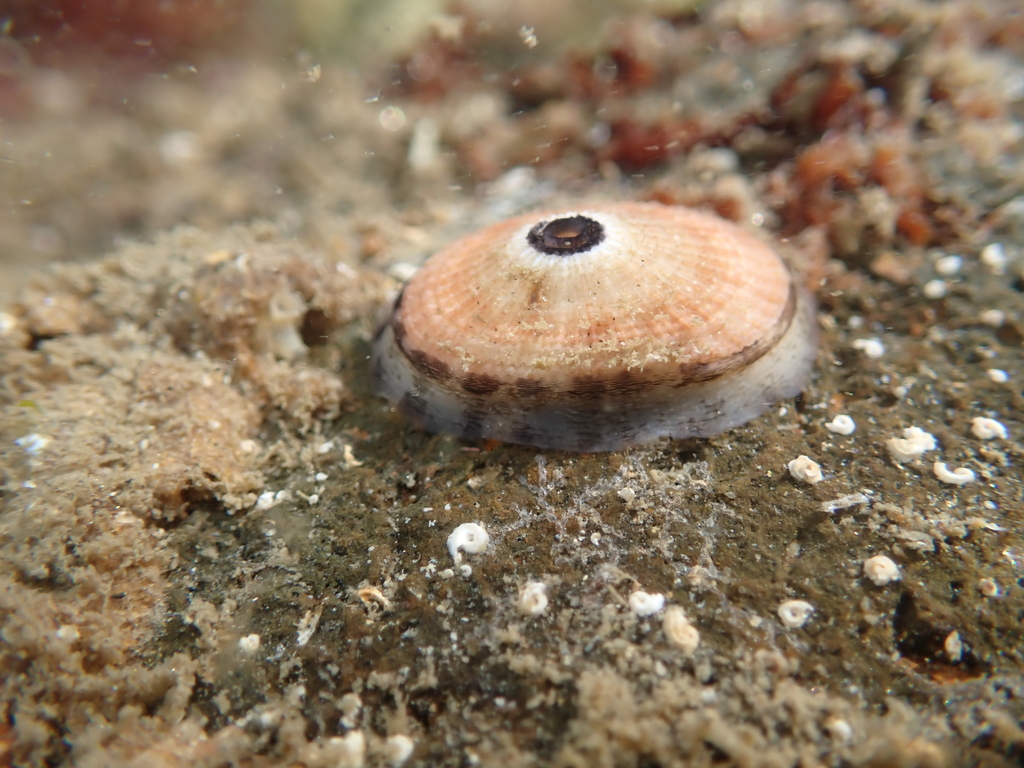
(119, 118)
(849, 126)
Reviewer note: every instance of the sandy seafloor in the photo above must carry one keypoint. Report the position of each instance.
(217, 547)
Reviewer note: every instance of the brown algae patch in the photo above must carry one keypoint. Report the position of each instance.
(106, 428)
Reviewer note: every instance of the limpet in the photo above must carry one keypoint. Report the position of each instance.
(595, 329)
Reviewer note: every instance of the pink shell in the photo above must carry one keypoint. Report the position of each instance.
(596, 329)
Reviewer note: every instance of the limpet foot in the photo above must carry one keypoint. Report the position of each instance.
(596, 329)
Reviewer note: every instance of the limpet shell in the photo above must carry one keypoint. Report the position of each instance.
(596, 329)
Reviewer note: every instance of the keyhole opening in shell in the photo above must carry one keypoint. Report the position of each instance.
(566, 236)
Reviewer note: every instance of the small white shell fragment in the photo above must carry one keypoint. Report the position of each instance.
(954, 646)
(993, 256)
(914, 443)
(1015, 556)
(645, 603)
(33, 443)
(881, 570)
(470, 538)
(306, 626)
(403, 271)
(249, 643)
(348, 751)
(67, 632)
(840, 730)
(626, 494)
(998, 375)
(267, 499)
(989, 587)
(949, 265)
(987, 429)
(805, 470)
(528, 36)
(398, 749)
(8, 323)
(349, 460)
(841, 425)
(993, 317)
(679, 631)
(975, 523)
(958, 476)
(935, 289)
(533, 600)
(795, 613)
(872, 348)
(844, 502)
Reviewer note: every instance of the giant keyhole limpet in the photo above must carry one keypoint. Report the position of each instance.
(596, 329)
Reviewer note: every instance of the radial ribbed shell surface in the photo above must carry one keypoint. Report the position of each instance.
(591, 328)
